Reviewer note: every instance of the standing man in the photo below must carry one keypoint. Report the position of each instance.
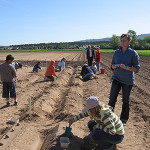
(90, 55)
(125, 63)
(8, 74)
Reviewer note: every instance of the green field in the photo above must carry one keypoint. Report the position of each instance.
(140, 52)
(144, 52)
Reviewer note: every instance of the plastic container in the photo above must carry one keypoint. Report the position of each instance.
(64, 142)
(13, 121)
(102, 70)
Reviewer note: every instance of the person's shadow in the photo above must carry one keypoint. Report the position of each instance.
(5, 106)
(76, 143)
(79, 77)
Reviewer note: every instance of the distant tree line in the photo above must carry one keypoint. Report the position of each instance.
(137, 44)
(62, 45)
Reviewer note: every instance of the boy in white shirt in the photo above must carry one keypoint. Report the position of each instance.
(61, 64)
(94, 67)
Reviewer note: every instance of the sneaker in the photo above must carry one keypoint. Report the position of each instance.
(124, 123)
(15, 103)
(8, 104)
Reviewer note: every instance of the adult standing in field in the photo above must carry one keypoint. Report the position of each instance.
(125, 63)
(98, 58)
(90, 55)
(8, 74)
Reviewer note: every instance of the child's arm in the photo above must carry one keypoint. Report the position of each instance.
(78, 117)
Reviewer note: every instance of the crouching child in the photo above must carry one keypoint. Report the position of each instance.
(50, 72)
(37, 67)
(106, 129)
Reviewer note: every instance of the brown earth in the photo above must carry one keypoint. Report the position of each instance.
(54, 102)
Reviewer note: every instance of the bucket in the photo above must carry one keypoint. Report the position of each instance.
(102, 70)
(64, 142)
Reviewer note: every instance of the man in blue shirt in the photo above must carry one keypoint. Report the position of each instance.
(125, 63)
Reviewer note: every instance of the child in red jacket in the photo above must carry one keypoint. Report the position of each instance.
(98, 58)
(50, 72)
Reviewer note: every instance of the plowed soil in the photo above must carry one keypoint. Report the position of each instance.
(53, 103)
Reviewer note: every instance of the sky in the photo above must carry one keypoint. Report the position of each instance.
(46, 21)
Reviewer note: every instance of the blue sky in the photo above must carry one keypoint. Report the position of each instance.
(44, 21)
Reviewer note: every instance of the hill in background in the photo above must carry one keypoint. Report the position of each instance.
(141, 36)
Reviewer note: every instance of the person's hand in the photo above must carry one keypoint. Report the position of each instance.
(115, 66)
(122, 66)
(94, 127)
(70, 121)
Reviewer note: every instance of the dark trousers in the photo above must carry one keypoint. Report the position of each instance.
(103, 139)
(90, 60)
(9, 88)
(126, 90)
(51, 78)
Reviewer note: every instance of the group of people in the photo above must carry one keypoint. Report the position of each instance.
(106, 129)
(8, 76)
(90, 54)
(92, 67)
(50, 72)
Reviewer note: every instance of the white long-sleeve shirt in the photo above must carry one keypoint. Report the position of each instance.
(61, 64)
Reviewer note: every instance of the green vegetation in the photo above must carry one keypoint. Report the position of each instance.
(140, 52)
(107, 50)
(144, 52)
(142, 43)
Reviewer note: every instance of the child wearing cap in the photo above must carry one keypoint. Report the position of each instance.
(106, 129)
(8, 75)
(98, 58)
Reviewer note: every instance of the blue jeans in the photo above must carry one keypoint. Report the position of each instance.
(126, 90)
(9, 87)
(98, 65)
(36, 69)
(103, 139)
(59, 68)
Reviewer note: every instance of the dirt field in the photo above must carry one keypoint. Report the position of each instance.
(54, 102)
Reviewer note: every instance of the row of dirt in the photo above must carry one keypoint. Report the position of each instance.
(53, 103)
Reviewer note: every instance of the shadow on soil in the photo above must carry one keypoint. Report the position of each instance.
(76, 143)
